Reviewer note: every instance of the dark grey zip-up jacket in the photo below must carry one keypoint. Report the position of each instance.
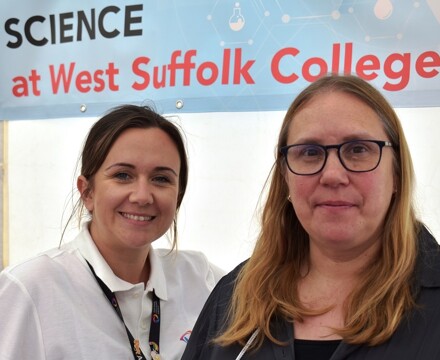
(416, 338)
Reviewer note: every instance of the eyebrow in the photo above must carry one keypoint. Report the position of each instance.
(351, 137)
(157, 168)
(165, 168)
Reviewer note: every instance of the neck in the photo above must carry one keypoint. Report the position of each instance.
(327, 282)
(128, 265)
(340, 265)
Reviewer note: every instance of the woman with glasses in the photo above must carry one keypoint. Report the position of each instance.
(342, 268)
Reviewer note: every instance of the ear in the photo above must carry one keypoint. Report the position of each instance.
(85, 191)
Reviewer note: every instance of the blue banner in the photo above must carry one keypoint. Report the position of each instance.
(64, 59)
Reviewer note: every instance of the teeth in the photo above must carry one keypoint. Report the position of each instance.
(137, 218)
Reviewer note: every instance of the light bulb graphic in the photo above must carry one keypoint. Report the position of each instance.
(236, 21)
(383, 9)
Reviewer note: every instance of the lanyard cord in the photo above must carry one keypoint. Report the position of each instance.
(154, 325)
(249, 343)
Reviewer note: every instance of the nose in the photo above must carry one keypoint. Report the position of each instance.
(142, 193)
(334, 173)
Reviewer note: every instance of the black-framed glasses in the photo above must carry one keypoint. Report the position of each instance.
(356, 156)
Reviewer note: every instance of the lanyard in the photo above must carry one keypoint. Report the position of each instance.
(153, 339)
(248, 344)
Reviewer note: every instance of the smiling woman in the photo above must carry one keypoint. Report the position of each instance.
(98, 294)
(133, 198)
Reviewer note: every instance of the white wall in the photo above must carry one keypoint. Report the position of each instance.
(230, 157)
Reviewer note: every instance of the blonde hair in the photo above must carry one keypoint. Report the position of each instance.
(267, 284)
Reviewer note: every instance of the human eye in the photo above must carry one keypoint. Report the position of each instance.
(164, 176)
(162, 179)
(358, 148)
(122, 176)
(307, 152)
(312, 151)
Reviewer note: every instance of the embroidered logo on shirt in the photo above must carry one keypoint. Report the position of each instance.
(185, 336)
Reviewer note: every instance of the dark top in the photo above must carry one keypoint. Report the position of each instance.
(314, 349)
(416, 338)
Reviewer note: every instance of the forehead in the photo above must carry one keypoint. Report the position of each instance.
(335, 116)
(143, 144)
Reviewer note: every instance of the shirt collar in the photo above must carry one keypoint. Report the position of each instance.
(157, 279)
(90, 252)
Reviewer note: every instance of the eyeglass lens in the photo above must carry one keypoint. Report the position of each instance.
(358, 156)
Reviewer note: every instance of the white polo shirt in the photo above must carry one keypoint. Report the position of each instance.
(51, 306)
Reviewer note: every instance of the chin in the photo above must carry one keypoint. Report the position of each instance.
(336, 237)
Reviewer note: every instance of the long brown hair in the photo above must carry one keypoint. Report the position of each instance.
(266, 286)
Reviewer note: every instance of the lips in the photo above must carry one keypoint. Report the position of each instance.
(333, 203)
(137, 217)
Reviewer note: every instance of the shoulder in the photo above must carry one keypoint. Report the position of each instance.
(428, 259)
(190, 262)
(181, 255)
(211, 320)
(46, 262)
(230, 278)
(426, 240)
(427, 246)
(35, 265)
(222, 293)
(46, 270)
(182, 258)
